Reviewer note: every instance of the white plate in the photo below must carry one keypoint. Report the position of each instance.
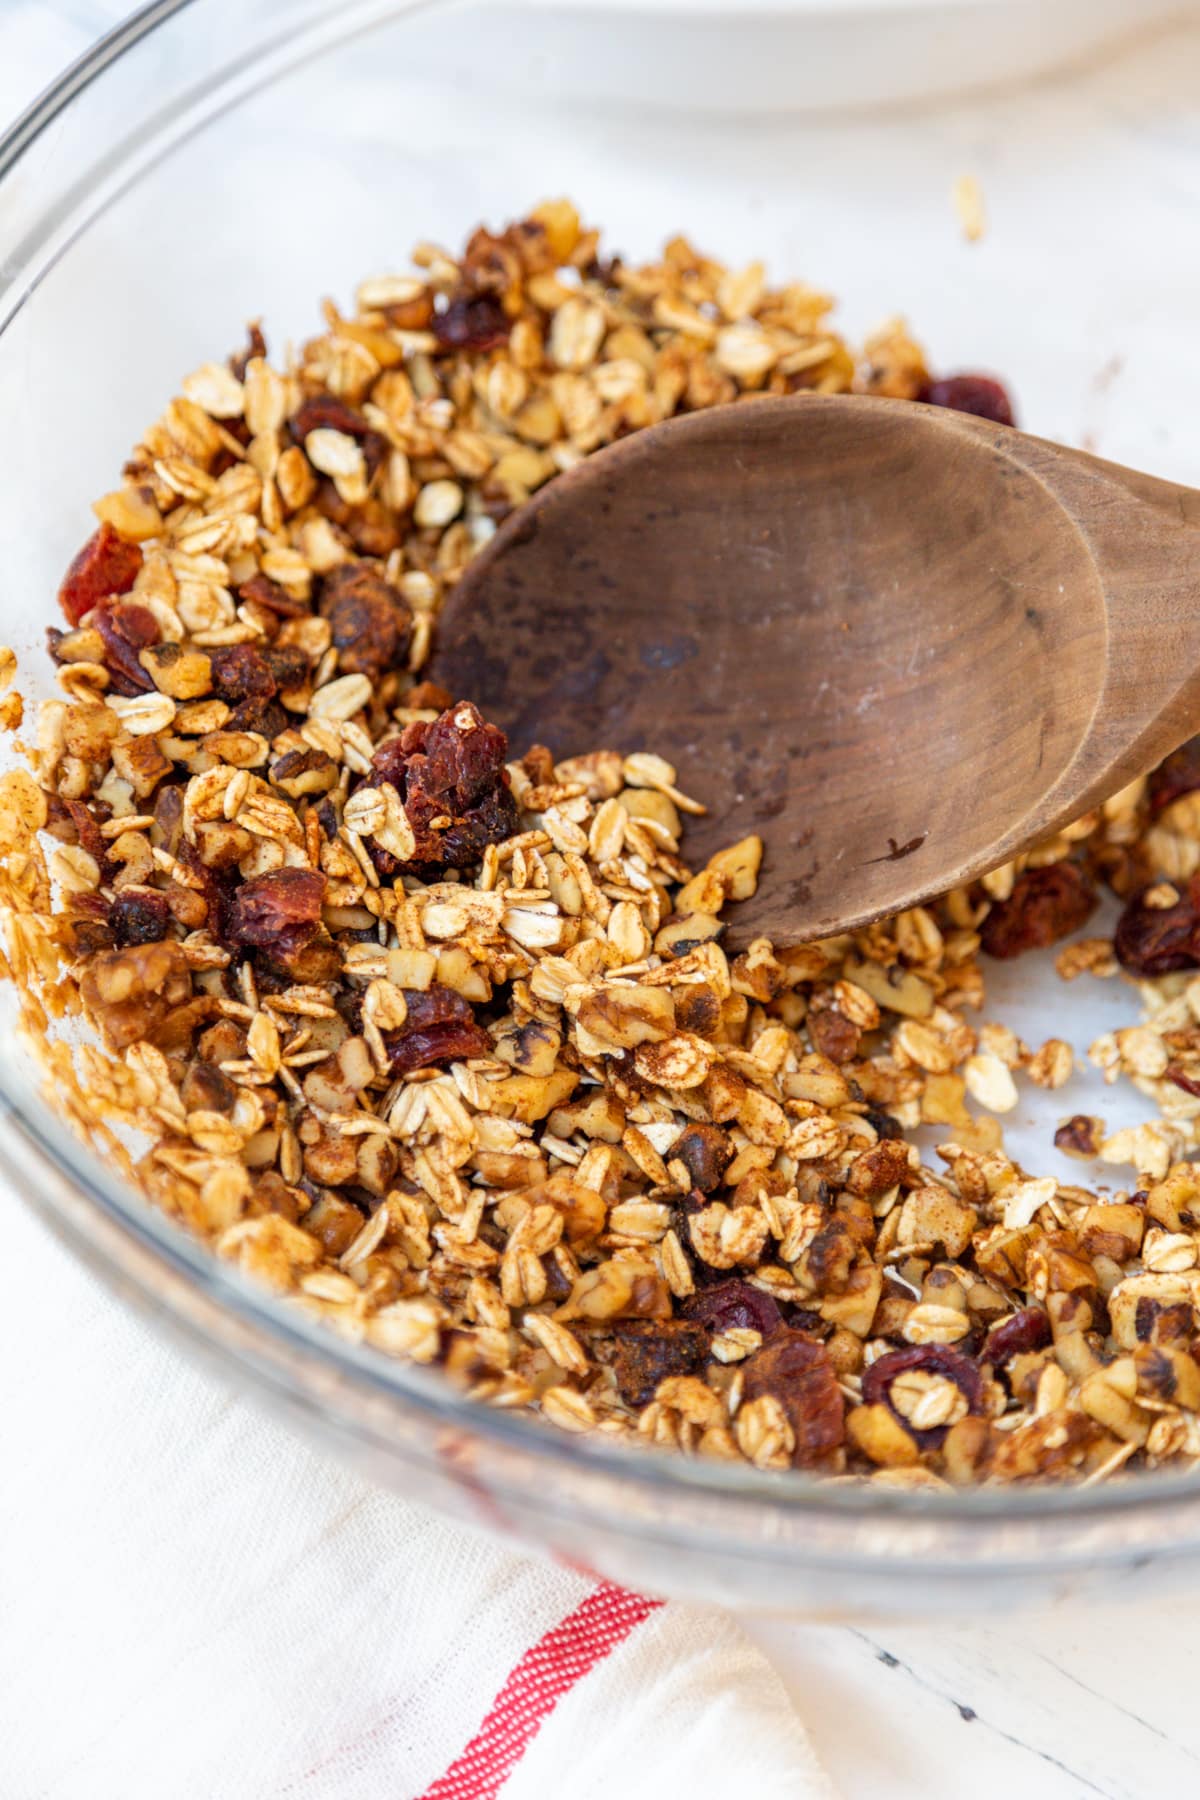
(793, 55)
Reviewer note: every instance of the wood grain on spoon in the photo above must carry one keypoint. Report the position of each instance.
(898, 642)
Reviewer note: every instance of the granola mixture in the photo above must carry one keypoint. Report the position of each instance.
(446, 1047)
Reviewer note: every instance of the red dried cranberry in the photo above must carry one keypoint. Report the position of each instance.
(440, 1028)
(126, 627)
(980, 395)
(934, 1359)
(834, 1035)
(330, 505)
(1178, 775)
(325, 412)
(139, 915)
(803, 1318)
(1076, 1136)
(1025, 1330)
(390, 759)
(288, 664)
(265, 592)
(1181, 1079)
(1154, 940)
(797, 1371)
(647, 1351)
(88, 834)
(215, 886)
(452, 768)
(282, 907)
(436, 1044)
(256, 346)
(733, 1305)
(90, 930)
(370, 622)
(241, 672)
(464, 757)
(472, 322)
(706, 1152)
(106, 565)
(267, 717)
(1044, 906)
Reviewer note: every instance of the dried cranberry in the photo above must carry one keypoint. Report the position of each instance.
(289, 666)
(240, 672)
(370, 622)
(647, 1351)
(1077, 1136)
(464, 757)
(265, 592)
(1154, 940)
(325, 412)
(1044, 906)
(797, 1371)
(706, 1152)
(733, 1305)
(934, 1359)
(1181, 1079)
(279, 910)
(256, 346)
(436, 1044)
(391, 758)
(372, 527)
(605, 270)
(215, 886)
(257, 713)
(90, 930)
(89, 836)
(139, 915)
(472, 321)
(440, 1028)
(106, 565)
(1025, 1330)
(1178, 775)
(980, 395)
(126, 627)
(834, 1035)
(330, 504)
(803, 1318)
(452, 768)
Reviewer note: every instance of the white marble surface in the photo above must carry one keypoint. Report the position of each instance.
(1060, 1706)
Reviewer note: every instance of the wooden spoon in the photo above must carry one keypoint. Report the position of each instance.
(898, 642)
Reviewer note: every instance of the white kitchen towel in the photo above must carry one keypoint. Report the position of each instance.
(196, 1606)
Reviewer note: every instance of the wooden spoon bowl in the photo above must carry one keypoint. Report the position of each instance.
(898, 642)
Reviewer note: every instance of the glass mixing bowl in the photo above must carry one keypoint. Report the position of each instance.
(214, 162)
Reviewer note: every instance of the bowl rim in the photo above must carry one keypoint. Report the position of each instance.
(374, 1374)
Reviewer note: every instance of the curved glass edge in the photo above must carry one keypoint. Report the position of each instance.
(373, 1373)
(45, 109)
(41, 223)
(379, 1377)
